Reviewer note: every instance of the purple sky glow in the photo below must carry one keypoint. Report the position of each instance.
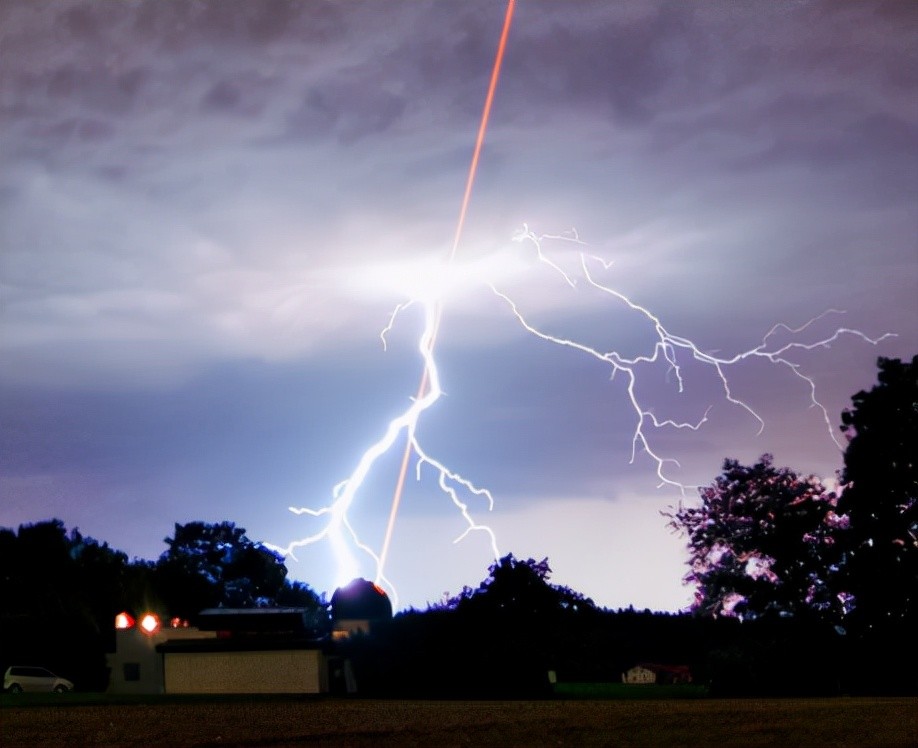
(208, 211)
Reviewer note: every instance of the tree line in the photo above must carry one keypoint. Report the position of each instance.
(800, 588)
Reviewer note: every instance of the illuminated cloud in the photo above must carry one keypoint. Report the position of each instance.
(209, 210)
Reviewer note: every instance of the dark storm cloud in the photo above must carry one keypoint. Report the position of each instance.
(614, 68)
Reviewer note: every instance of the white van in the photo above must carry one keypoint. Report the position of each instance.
(20, 678)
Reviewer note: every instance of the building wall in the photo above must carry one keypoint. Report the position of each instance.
(281, 671)
(135, 665)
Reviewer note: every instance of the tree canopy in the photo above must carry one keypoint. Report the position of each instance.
(766, 541)
(879, 563)
(519, 587)
(758, 540)
(217, 565)
(60, 592)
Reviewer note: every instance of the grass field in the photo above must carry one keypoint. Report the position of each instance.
(83, 720)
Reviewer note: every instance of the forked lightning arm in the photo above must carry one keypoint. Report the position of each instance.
(666, 350)
(666, 347)
(340, 532)
(338, 527)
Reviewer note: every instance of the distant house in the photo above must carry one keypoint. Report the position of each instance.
(639, 675)
(651, 673)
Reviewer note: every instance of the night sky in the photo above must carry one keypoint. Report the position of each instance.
(209, 210)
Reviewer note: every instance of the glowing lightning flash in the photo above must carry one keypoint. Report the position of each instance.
(428, 389)
(667, 349)
(339, 526)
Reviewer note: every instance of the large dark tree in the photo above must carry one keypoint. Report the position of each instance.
(880, 547)
(211, 565)
(48, 572)
(758, 543)
(60, 593)
(208, 565)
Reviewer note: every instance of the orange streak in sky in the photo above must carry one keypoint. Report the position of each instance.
(463, 210)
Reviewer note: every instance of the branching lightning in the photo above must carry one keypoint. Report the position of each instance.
(339, 527)
(667, 347)
(668, 350)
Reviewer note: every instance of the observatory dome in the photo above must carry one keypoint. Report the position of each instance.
(360, 599)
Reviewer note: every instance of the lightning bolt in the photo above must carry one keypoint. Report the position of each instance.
(338, 527)
(668, 350)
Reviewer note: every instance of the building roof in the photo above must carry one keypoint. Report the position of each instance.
(239, 644)
(256, 620)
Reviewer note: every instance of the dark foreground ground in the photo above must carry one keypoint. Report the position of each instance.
(338, 722)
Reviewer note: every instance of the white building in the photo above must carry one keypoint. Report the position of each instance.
(251, 650)
(256, 650)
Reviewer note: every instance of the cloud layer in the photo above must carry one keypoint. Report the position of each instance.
(208, 211)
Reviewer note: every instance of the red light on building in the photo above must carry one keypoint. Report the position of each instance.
(124, 620)
(149, 623)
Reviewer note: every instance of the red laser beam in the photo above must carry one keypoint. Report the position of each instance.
(669, 351)
(460, 224)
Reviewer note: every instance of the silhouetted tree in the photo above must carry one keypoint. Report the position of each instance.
(519, 588)
(879, 562)
(518, 626)
(9, 566)
(758, 543)
(44, 571)
(499, 639)
(211, 565)
(296, 594)
(60, 594)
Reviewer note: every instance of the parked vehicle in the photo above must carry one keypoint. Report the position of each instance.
(20, 678)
